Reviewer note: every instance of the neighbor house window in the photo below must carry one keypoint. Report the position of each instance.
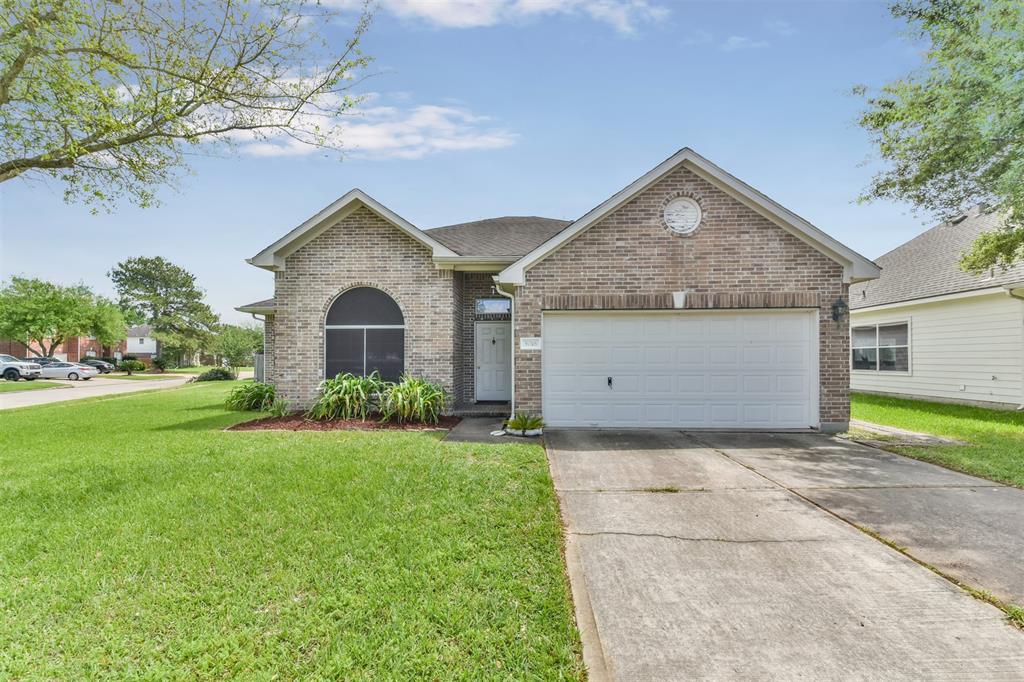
(364, 332)
(881, 347)
(493, 306)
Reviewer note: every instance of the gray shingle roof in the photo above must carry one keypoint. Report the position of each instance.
(265, 303)
(928, 265)
(140, 331)
(507, 236)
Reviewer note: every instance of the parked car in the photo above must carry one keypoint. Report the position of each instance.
(12, 369)
(69, 370)
(103, 367)
(40, 361)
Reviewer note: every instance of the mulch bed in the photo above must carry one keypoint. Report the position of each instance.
(298, 422)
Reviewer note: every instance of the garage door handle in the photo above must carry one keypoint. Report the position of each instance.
(609, 382)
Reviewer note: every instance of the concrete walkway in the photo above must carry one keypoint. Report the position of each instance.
(687, 561)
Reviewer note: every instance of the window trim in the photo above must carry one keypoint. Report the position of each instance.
(909, 371)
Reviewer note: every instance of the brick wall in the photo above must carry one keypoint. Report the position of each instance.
(737, 258)
(268, 349)
(360, 250)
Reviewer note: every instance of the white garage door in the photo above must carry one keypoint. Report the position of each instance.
(682, 369)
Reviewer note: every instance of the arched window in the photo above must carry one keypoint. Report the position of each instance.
(364, 331)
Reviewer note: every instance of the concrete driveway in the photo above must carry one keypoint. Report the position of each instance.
(697, 556)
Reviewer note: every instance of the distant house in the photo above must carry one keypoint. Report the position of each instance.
(141, 344)
(927, 329)
(74, 349)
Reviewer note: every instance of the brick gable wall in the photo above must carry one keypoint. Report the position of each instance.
(362, 249)
(736, 259)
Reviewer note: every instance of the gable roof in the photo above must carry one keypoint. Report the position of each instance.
(929, 264)
(856, 267)
(272, 257)
(506, 236)
(141, 330)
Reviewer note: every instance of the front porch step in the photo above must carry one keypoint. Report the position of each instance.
(482, 409)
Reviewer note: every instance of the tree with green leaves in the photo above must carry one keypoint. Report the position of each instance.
(953, 131)
(108, 97)
(237, 344)
(155, 291)
(43, 315)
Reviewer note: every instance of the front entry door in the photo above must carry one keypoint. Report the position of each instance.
(493, 361)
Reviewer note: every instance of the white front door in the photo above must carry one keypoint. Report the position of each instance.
(493, 361)
(729, 369)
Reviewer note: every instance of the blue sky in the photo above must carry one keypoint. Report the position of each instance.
(523, 107)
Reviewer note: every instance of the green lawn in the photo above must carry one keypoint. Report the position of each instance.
(996, 438)
(14, 386)
(138, 539)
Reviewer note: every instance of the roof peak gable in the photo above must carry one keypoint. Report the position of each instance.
(856, 267)
(273, 256)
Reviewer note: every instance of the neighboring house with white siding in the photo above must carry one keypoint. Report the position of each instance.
(141, 343)
(927, 329)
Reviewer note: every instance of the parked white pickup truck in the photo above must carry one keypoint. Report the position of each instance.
(12, 369)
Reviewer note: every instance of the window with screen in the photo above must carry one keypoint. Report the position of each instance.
(364, 332)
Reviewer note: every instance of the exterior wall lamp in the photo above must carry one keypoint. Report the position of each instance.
(839, 310)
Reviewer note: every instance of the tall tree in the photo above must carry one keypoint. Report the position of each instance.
(164, 295)
(44, 315)
(238, 344)
(953, 131)
(108, 96)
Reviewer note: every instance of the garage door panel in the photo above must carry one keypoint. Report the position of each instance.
(689, 355)
(723, 383)
(691, 383)
(791, 356)
(791, 383)
(759, 356)
(658, 384)
(722, 327)
(654, 356)
(626, 355)
(722, 355)
(754, 383)
(724, 414)
(692, 413)
(721, 370)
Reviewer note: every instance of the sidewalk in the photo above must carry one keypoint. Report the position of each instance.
(97, 386)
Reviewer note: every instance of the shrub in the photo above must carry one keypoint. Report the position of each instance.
(216, 374)
(347, 396)
(131, 365)
(524, 421)
(160, 364)
(279, 408)
(413, 400)
(251, 396)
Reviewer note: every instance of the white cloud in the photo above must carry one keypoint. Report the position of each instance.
(382, 132)
(780, 27)
(623, 15)
(733, 43)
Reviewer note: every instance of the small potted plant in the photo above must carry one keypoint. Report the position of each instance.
(524, 424)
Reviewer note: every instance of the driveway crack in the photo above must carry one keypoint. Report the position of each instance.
(691, 539)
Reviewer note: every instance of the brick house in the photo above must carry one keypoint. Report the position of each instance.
(73, 349)
(687, 299)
